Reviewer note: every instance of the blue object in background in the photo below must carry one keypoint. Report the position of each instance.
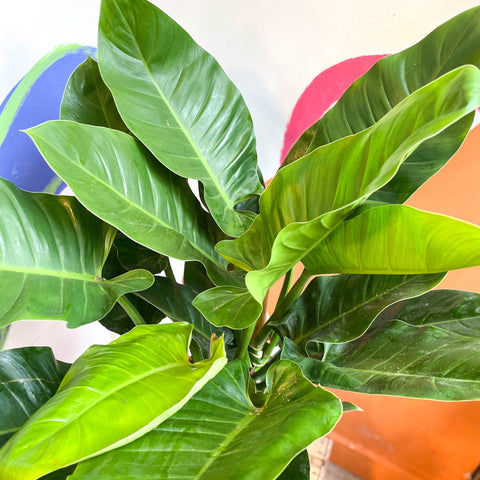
(20, 161)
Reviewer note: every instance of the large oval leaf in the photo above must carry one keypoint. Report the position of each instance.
(178, 101)
(396, 239)
(398, 359)
(142, 378)
(28, 378)
(152, 206)
(52, 252)
(219, 434)
(392, 79)
(340, 308)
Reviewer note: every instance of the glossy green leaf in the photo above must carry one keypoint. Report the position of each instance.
(143, 377)
(52, 252)
(392, 79)
(17, 98)
(298, 468)
(340, 308)
(175, 300)
(298, 219)
(88, 100)
(396, 239)
(231, 307)
(178, 101)
(29, 376)
(399, 359)
(452, 310)
(152, 206)
(219, 434)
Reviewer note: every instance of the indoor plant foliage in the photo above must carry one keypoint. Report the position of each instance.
(224, 391)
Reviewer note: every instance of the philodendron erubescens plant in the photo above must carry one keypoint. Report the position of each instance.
(224, 391)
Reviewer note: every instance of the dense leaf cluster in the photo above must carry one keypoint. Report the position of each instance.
(223, 391)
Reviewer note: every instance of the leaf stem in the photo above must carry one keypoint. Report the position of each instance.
(132, 312)
(245, 338)
(282, 306)
(291, 296)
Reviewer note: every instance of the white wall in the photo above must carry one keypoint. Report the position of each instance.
(271, 49)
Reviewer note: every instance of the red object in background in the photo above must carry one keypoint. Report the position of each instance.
(398, 438)
(320, 95)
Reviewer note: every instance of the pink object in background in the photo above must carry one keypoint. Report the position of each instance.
(319, 96)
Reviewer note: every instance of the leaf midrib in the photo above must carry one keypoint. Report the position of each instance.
(334, 319)
(129, 202)
(216, 453)
(200, 156)
(377, 373)
(85, 277)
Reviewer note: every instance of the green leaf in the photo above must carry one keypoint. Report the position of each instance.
(52, 252)
(142, 377)
(402, 360)
(29, 376)
(340, 308)
(132, 255)
(298, 468)
(219, 434)
(396, 239)
(451, 310)
(152, 206)
(231, 307)
(175, 300)
(298, 219)
(387, 83)
(21, 90)
(117, 319)
(88, 100)
(178, 101)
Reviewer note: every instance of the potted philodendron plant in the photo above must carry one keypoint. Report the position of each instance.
(226, 391)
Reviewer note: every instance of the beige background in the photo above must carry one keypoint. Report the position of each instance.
(271, 50)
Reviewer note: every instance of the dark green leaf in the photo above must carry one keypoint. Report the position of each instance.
(132, 255)
(219, 434)
(88, 100)
(399, 359)
(298, 468)
(178, 101)
(62, 474)
(117, 319)
(52, 252)
(140, 380)
(452, 310)
(391, 80)
(195, 277)
(340, 308)
(29, 376)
